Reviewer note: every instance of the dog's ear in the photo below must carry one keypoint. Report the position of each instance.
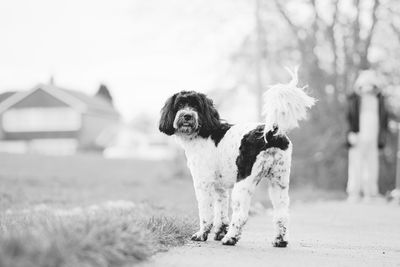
(209, 116)
(166, 124)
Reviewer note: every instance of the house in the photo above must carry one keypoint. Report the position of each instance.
(52, 120)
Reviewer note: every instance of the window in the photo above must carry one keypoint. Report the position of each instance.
(41, 120)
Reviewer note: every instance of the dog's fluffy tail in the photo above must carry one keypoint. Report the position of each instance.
(285, 105)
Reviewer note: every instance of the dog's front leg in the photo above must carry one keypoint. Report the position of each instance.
(221, 209)
(205, 196)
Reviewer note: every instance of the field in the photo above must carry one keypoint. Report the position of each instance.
(28, 180)
(89, 211)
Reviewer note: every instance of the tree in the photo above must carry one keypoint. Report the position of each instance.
(104, 93)
(332, 41)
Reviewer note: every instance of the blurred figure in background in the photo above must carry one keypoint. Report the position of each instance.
(368, 124)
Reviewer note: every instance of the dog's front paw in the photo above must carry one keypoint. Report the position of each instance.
(221, 232)
(279, 242)
(200, 236)
(229, 241)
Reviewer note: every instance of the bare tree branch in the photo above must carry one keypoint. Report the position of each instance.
(395, 30)
(356, 28)
(293, 27)
(333, 43)
(319, 22)
(374, 22)
(393, 14)
(364, 63)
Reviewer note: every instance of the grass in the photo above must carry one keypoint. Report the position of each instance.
(91, 237)
(29, 180)
(50, 213)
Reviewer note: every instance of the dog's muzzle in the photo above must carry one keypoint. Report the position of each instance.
(186, 121)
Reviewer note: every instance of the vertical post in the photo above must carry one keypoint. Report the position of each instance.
(398, 158)
(258, 60)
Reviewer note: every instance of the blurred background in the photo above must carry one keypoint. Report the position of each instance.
(82, 84)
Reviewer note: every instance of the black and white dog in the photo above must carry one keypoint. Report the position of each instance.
(227, 159)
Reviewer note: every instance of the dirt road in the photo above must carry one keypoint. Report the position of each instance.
(322, 234)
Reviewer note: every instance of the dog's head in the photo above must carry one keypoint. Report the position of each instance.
(189, 113)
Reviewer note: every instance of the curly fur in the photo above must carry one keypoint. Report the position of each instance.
(230, 160)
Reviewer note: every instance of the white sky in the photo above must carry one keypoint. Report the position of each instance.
(143, 50)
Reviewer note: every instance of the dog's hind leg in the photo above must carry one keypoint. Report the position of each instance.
(280, 202)
(241, 200)
(279, 194)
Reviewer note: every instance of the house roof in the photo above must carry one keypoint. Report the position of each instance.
(5, 95)
(80, 101)
(93, 102)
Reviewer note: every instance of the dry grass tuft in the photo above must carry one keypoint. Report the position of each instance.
(106, 237)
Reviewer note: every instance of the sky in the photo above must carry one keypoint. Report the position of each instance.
(143, 50)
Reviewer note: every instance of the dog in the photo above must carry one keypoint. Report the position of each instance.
(230, 160)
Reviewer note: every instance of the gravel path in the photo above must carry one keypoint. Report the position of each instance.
(322, 234)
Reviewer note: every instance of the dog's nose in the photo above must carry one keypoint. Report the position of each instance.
(187, 117)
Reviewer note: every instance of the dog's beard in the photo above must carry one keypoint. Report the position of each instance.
(186, 127)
